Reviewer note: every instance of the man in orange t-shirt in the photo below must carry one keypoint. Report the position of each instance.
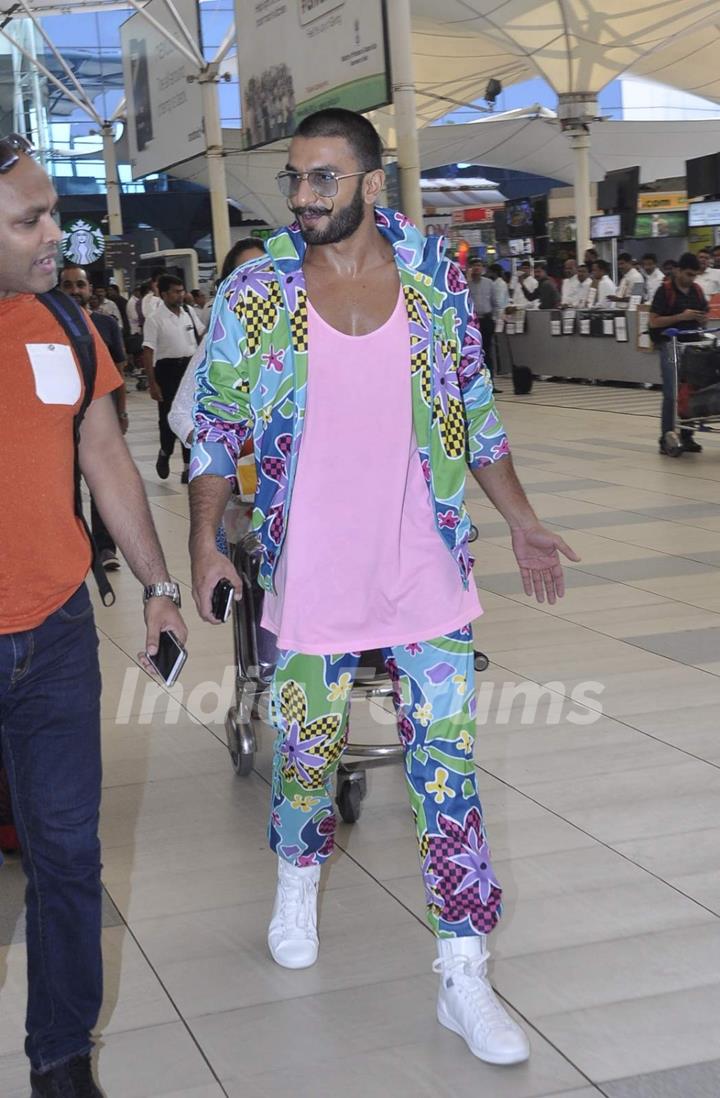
(49, 672)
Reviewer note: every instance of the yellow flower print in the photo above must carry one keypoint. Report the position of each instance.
(339, 690)
(266, 413)
(304, 804)
(465, 742)
(461, 683)
(439, 788)
(423, 714)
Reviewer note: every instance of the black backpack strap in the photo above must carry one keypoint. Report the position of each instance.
(71, 319)
(197, 335)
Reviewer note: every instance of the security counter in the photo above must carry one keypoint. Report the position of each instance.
(610, 351)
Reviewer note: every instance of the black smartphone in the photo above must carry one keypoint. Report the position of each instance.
(169, 658)
(222, 599)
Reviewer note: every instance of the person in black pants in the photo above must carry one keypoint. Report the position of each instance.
(75, 283)
(170, 338)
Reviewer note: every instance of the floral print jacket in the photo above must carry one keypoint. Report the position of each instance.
(253, 381)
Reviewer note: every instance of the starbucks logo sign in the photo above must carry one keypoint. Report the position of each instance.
(82, 243)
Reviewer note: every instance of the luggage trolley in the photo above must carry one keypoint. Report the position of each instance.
(255, 659)
(696, 373)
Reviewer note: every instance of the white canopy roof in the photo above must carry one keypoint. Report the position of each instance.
(576, 45)
(530, 144)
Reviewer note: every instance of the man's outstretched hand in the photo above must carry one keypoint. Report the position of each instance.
(538, 554)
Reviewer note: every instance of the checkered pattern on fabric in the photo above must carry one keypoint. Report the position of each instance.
(299, 323)
(260, 314)
(420, 359)
(293, 706)
(452, 426)
(466, 904)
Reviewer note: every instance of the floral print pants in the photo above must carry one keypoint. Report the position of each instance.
(434, 696)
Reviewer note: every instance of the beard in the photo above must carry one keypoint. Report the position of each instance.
(340, 225)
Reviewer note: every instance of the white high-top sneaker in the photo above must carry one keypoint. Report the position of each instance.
(292, 934)
(469, 1007)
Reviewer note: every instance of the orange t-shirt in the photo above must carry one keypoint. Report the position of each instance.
(44, 551)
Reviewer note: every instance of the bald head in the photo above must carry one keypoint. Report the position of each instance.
(29, 235)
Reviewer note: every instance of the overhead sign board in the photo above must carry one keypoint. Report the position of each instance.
(298, 56)
(164, 110)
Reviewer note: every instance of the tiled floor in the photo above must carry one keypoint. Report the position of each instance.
(599, 766)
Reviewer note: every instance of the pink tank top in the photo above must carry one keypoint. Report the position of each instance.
(363, 565)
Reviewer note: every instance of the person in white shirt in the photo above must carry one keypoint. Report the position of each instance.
(709, 277)
(654, 277)
(575, 289)
(524, 277)
(602, 284)
(631, 282)
(107, 307)
(151, 297)
(170, 339)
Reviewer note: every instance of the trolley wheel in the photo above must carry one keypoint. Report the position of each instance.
(672, 444)
(142, 385)
(241, 744)
(474, 533)
(349, 802)
(351, 790)
(481, 661)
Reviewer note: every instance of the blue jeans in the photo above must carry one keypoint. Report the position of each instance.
(50, 739)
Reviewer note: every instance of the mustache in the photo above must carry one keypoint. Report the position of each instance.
(316, 211)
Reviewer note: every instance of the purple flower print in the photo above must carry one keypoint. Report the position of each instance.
(419, 328)
(476, 859)
(414, 648)
(447, 379)
(467, 884)
(299, 753)
(294, 286)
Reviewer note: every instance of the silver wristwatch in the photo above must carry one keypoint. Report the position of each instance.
(162, 590)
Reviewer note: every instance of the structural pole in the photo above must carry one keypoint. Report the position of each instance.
(112, 184)
(403, 88)
(217, 182)
(580, 144)
(115, 222)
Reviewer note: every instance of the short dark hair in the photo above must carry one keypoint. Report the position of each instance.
(166, 282)
(650, 255)
(240, 246)
(591, 251)
(496, 268)
(703, 251)
(626, 257)
(604, 267)
(688, 262)
(360, 134)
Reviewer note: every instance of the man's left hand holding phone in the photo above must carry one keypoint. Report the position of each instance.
(164, 653)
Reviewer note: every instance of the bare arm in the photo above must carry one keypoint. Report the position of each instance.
(118, 491)
(208, 499)
(537, 549)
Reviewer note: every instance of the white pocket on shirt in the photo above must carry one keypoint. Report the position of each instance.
(57, 380)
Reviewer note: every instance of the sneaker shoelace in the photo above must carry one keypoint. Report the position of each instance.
(298, 898)
(474, 987)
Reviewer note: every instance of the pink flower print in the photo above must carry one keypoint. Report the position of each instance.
(274, 359)
(448, 520)
(414, 648)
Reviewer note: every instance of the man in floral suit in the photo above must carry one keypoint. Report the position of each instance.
(350, 355)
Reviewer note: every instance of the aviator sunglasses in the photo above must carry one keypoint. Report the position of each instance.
(322, 181)
(10, 149)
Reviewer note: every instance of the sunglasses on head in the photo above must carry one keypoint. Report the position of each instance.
(10, 149)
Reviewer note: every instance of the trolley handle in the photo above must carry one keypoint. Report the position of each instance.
(674, 332)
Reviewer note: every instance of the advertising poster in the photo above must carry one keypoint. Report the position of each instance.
(164, 111)
(666, 223)
(298, 56)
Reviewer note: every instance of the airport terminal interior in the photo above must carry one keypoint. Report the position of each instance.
(598, 717)
(601, 813)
